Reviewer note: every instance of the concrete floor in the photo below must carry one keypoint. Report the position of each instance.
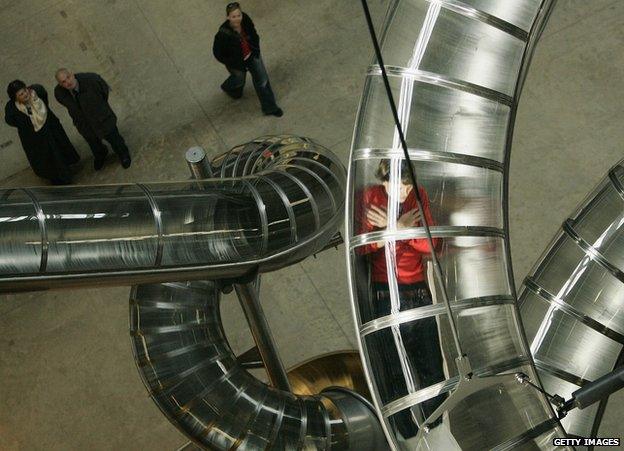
(67, 378)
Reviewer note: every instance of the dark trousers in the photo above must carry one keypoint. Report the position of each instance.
(422, 347)
(235, 83)
(63, 152)
(115, 140)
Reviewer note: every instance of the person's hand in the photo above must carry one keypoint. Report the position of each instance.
(377, 217)
(409, 219)
(32, 96)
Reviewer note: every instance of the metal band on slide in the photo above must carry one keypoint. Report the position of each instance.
(45, 245)
(157, 221)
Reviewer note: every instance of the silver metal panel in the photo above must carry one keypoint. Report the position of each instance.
(588, 355)
(25, 219)
(97, 228)
(185, 361)
(202, 229)
(422, 35)
(599, 297)
(520, 13)
(572, 304)
(435, 118)
(455, 70)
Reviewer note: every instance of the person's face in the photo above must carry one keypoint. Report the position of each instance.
(404, 190)
(66, 80)
(235, 17)
(23, 95)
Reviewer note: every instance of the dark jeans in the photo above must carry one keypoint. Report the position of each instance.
(116, 141)
(422, 347)
(235, 83)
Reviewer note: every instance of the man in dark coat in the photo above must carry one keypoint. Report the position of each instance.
(85, 96)
(44, 141)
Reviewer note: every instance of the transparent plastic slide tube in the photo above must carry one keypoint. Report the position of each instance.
(278, 200)
(284, 203)
(572, 303)
(455, 70)
(197, 382)
(178, 340)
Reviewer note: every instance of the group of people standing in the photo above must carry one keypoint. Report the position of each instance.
(85, 95)
(47, 146)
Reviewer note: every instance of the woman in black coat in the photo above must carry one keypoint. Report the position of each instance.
(43, 138)
(237, 46)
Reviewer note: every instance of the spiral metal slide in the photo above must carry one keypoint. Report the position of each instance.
(280, 200)
(286, 207)
(456, 70)
(572, 303)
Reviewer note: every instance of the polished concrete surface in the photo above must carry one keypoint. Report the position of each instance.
(67, 378)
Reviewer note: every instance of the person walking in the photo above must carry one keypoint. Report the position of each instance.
(237, 46)
(47, 147)
(85, 96)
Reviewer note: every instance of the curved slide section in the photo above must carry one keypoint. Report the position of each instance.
(456, 70)
(279, 200)
(178, 341)
(285, 204)
(195, 379)
(572, 303)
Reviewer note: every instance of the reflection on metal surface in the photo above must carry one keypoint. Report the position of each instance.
(281, 202)
(455, 71)
(249, 300)
(435, 79)
(342, 368)
(185, 361)
(572, 304)
(227, 407)
(198, 163)
(280, 199)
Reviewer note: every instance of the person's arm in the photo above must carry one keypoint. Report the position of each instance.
(102, 87)
(363, 225)
(58, 94)
(9, 116)
(422, 244)
(219, 47)
(215, 48)
(250, 28)
(41, 93)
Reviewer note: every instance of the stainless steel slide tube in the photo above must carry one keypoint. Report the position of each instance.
(183, 355)
(186, 363)
(284, 204)
(572, 303)
(456, 69)
(280, 200)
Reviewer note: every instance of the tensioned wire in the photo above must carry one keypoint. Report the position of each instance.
(413, 180)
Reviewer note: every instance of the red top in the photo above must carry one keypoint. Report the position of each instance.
(408, 252)
(245, 45)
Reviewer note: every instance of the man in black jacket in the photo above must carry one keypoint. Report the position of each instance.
(85, 96)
